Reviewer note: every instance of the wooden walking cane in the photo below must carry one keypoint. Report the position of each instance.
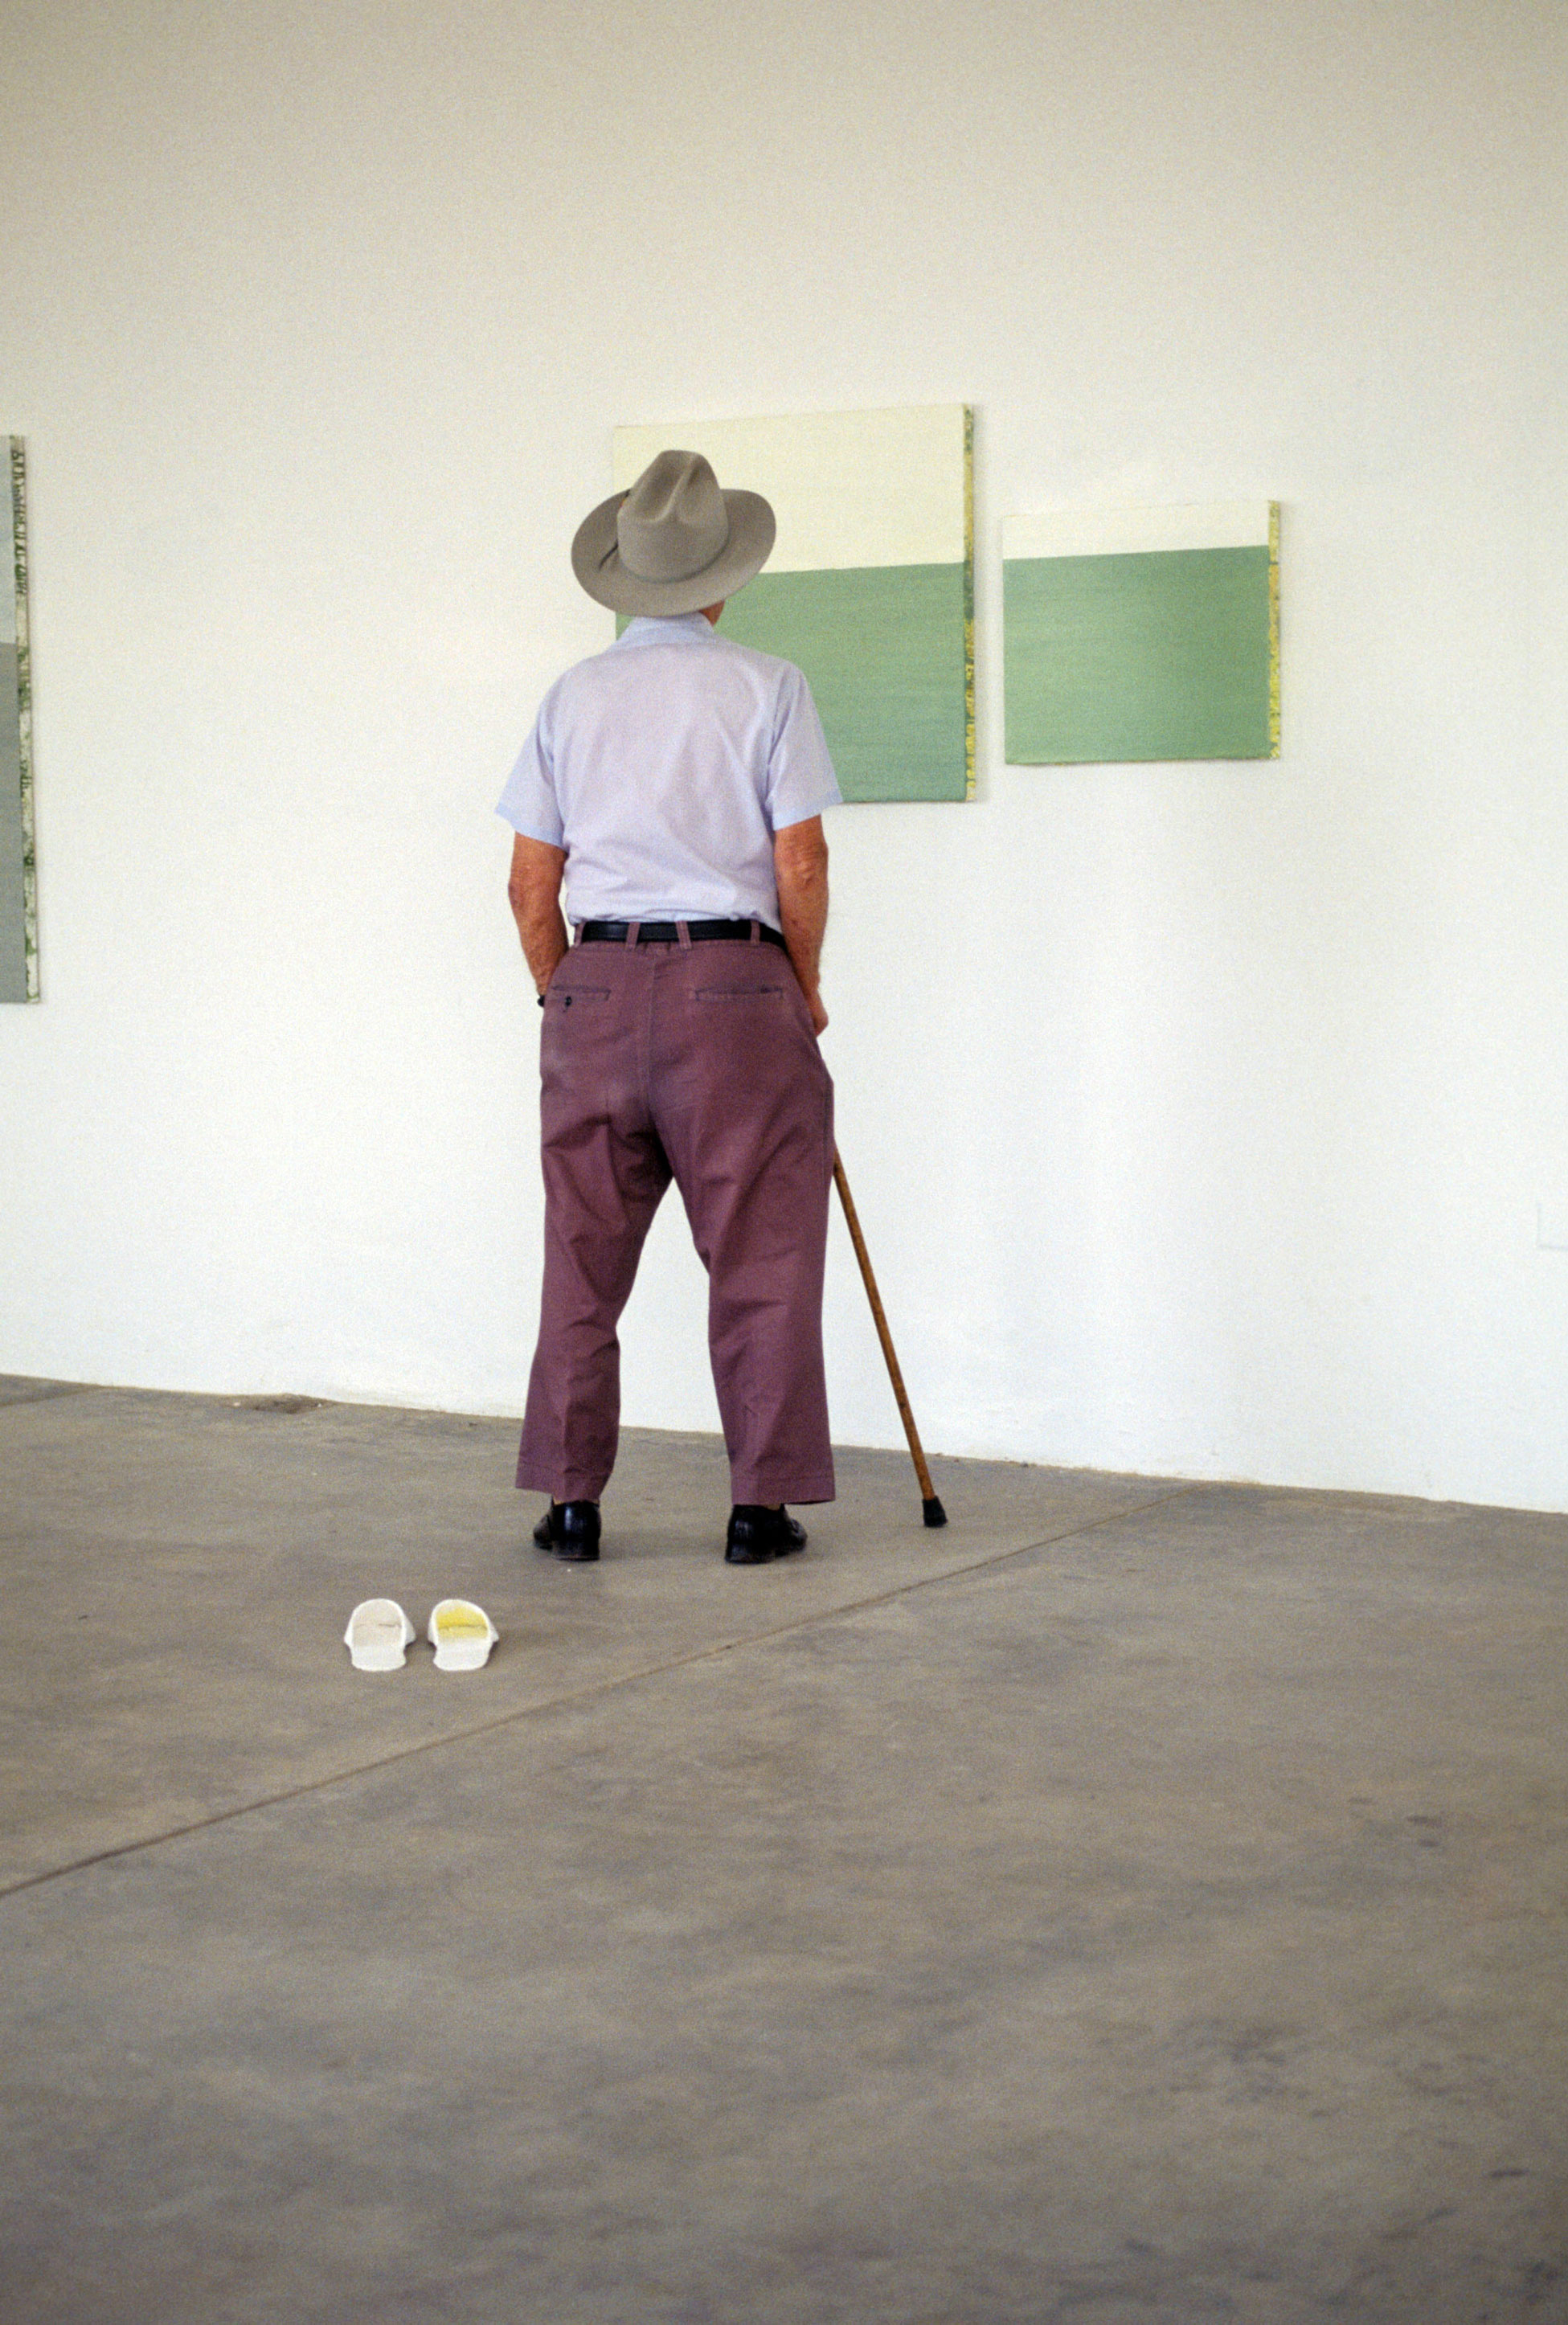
(935, 1515)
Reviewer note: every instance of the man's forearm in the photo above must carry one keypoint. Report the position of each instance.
(545, 939)
(802, 908)
(533, 893)
(802, 868)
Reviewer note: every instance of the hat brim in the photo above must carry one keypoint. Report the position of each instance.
(595, 560)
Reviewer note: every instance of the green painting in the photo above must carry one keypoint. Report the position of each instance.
(18, 894)
(870, 586)
(1141, 634)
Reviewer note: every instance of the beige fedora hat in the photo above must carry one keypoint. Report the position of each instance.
(676, 542)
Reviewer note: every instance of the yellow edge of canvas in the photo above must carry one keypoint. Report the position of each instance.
(1274, 629)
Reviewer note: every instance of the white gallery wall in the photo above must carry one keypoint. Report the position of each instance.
(1204, 1119)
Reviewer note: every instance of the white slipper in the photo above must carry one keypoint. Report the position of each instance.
(377, 1636)
(461, 1634)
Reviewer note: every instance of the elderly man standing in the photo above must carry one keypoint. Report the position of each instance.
(678, 782)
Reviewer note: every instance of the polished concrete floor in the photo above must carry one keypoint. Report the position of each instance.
(1138, 1904)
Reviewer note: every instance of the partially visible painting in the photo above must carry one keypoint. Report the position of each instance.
(870, 586)
(18, 893)
(1142, 633)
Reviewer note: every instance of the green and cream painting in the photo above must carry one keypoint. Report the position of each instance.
(870, 586)
(1142, 633)
(18, 904)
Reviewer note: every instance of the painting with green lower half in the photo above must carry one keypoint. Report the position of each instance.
(1136, 634)
(18, 901)
(870, 586)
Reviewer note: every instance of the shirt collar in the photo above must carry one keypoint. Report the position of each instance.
(667, 630)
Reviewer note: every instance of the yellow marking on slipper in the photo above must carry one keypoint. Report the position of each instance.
(461, 1634)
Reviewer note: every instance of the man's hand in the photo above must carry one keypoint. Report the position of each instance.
(800, 863)
(534, 890)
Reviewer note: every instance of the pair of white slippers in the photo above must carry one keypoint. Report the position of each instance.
(379, 1635)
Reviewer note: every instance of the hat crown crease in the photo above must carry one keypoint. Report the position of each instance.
(673, 522)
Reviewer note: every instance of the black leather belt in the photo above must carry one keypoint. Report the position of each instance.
(669, 933)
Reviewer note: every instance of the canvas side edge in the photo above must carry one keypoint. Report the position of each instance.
(25, 716)
(1274, 629)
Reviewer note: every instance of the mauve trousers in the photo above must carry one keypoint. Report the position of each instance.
(696, 1062)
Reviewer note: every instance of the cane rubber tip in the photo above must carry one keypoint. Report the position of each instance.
(934, 1512)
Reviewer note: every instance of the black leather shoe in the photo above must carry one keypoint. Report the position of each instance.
(570, 1529)
(758, 1534)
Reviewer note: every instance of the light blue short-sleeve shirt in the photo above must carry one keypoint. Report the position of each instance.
(663, 766)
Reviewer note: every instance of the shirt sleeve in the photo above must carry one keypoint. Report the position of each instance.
(528, 802)
(801, 782)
